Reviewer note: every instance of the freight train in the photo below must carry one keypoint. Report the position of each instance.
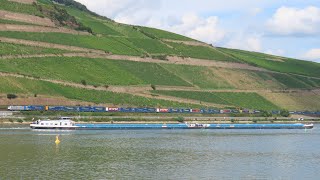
(148, 110)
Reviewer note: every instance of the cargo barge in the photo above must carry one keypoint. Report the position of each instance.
(66, 123)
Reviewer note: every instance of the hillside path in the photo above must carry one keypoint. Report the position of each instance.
(24, 1)
(39, 29)
(26, 18)
(48, 45)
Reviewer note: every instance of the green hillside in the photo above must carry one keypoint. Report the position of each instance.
(97, 60)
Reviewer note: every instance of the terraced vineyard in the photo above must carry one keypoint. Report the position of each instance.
(25, 86)
(19, 7)
(112, 44)
(93, 71)
(201, 52)
(16, 49)
(202, 77)
(274, 63)
(160, 34)
(247, 100)
(95, 59)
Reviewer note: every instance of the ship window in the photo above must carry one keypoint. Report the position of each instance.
(56, 124)
(66, 124)
(41, 123)
(47, 123)
(51, 124)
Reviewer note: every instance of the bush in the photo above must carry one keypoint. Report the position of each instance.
(20, 121)
(153, 87)
(254, 121)
(10, 120)
(11, 96)
(180, 119)
(266, 114)
(161, 57)
(284, 113)
(83, 82)
(35, 95)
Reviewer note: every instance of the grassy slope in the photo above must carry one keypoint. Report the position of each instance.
(200, 52)
(25, 86)
(116, 45)
(275, 63)
(19, 7)
(15, 49)
(245, 100)
(296, 100)
(94, 71)
(160, 34)
(202, 77)
(5, 21)
(98, 27)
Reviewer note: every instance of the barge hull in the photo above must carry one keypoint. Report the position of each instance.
(184, 126)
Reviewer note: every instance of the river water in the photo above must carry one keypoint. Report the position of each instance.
(159, 154)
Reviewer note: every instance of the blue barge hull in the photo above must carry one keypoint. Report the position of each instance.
(194, 126)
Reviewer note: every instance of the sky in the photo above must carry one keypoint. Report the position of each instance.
(288, 28)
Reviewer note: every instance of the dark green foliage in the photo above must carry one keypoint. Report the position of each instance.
(266, 114)
(153, 87)
(20, 121)
(61, 17)
(284, 113)
(82, 27)
(180, 119)
(161, 57)
(84, 82)
(11, 96)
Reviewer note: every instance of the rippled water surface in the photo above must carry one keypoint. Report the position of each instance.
(159, 154)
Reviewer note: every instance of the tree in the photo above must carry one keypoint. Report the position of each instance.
(11, 96)
(284, 113)
(266, 114)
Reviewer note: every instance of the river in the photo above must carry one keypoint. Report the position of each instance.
(159, 154)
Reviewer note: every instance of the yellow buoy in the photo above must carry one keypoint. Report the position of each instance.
(57, 140)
